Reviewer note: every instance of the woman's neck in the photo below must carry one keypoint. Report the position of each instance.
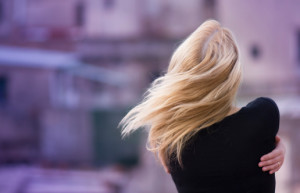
(233, 110)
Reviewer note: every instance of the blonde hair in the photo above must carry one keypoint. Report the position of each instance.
(197, 91)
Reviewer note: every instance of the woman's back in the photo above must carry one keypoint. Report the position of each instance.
(198, 91)
(224, 157)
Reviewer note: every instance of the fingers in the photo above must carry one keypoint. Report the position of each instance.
(272, 155)
(277, 139)
(273, 171)
(272, 168)
(271, 161)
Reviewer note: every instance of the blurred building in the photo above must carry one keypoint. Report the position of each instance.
(112, 19)
(35, 20)
(65, 63)
(268, 34)
(47, 99)
(30, 97)
(70, 69)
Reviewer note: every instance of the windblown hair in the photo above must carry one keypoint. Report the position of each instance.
(197, 91)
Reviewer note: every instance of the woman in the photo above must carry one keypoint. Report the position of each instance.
(204, 141)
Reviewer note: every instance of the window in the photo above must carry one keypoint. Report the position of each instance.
(208, 9)
(79, 11)
(108, 4)
(209, 3)
(3, 90)
(255, 51)
(1, 11)
(298, 47)
(154, 75)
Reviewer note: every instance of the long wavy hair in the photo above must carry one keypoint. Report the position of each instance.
(197, 91)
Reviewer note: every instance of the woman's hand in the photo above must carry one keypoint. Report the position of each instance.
(273, 161)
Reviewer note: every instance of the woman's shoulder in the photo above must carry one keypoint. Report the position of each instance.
(264, 110)
(264, 105)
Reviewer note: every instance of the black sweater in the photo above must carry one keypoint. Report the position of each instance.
(224, 157)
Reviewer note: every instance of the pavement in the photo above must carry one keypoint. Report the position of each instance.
(148, 177)
(22, 179)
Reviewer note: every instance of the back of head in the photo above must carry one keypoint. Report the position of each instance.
(197, 91)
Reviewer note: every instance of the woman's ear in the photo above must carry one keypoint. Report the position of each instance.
(163, 163)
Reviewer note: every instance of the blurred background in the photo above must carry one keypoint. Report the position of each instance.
(71, 69)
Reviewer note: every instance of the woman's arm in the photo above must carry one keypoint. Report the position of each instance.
(273, 161)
